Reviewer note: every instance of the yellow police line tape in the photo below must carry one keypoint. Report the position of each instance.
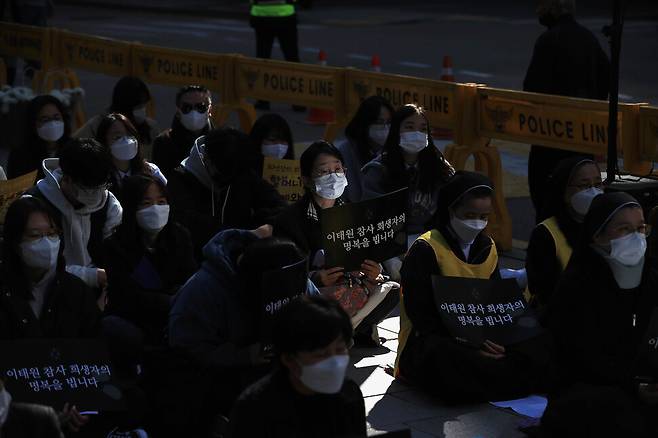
(475, 113)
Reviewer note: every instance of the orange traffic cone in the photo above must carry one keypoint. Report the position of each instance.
(319, 116)
(447, 74)
(376, 63)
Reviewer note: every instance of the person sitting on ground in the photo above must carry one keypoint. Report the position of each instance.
(600, 314)
(271, 137)
(307, 394)
(213, 189)
(215, 319)
(365, 135)
(324, 182)
(38, 298)
(148, 258)
(130, 97)
(573, 184)
(428, 354)
(75, 186)
(119, 137)
(48, 128)
(191, 121)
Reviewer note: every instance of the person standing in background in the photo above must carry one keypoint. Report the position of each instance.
(567, 61)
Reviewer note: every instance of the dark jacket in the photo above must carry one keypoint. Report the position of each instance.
(592, 321)
(208, 321)
(24, 160)
(294, 223)
(246, 203)
(271, 408)
(69, 311)
(172, 146)
(31, 421)
(141, 282)
(568, 61)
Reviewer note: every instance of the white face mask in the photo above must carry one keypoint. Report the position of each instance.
(277, 151)
(5, 401)
(139, 114)
(125, 148)
(378, 134)
(194, 121)
(326, 376)
(51, 131)
(413, 142)
(154, 218)
(41, 253)
(628, 250)
(467, 229)
(330, 186)
(90, 197)
(581, 201)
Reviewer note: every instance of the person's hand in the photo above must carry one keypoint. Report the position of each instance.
(329, 277)
(372, 270)
(263, 232)
(71, 419)
(648, 393)
(101, 277)
(492, 350)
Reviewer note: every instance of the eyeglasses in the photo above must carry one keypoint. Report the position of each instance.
(326, 172)
(56, 117)
(201, 107)
(586, 186)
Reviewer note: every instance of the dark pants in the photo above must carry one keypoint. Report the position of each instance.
(541, 163)
(283, 29)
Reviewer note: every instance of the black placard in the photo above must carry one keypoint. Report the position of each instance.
(650, 347)
(475, 310)
(58, 371)
(279, 286)
(374, 229)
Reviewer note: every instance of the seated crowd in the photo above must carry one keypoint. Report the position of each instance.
(167, 246)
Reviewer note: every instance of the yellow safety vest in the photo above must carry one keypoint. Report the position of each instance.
(563, 250)
(450, 266)
(272, 8)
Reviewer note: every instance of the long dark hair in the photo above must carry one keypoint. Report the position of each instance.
(138, 163)
(271, 124)
(18, 214)
(128, 93)
(35, 144)
(432, 165)
(357, 130)
(132, 192)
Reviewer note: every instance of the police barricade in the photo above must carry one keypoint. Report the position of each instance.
(91, 53)
(28, 42)
(648, 150)
(289, 82)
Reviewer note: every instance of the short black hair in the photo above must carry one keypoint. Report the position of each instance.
(86, 162)
(267, 254)
(190, 89)
(227, 148)
(129, 92)
(313, 151)
(308, 323)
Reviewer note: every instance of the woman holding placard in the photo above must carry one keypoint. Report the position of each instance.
(39, 298)
(323, 176)
(575, 182)
(272, 137)
(601, 319)
(429, 354)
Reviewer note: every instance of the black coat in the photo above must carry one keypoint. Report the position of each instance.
(172, 146)
(271, 408)
(592, 321)
(458, 373)
(294, 223)
(568, 61)
(70, 311)
(246, 203)
(141, 283)
(31, 421)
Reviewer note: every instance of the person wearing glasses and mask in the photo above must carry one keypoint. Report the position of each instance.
(599, 317)
(575, 182)
(48, 128)
(365, 137)
(307, 394)
(39, 298)
(75, 186)
(191, 121)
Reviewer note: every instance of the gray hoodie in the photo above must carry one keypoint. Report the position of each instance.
(77, 223)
